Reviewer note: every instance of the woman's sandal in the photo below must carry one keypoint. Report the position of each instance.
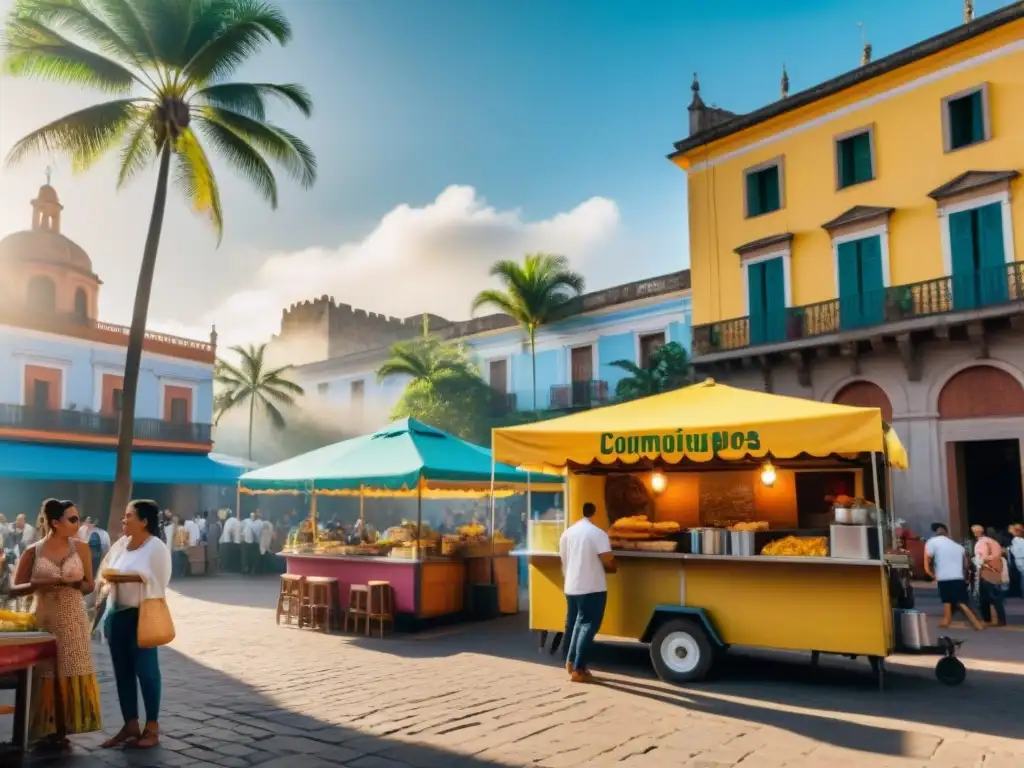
(150, 737)
(123, 736)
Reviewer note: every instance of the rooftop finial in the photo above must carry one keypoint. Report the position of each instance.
(785, 82)
(865, 52)
(968, 11)
(695, 86)
(49, 173)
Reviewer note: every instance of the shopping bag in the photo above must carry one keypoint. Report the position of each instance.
(155, 624)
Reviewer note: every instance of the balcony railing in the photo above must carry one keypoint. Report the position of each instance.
(989, 287)
(28, 418)
(579, 394)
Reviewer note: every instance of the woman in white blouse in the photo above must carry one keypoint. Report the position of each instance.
(144, 563)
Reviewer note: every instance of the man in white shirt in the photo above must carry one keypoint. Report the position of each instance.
(230, 540)
(250, 544)
(944, 561)
(586, 554)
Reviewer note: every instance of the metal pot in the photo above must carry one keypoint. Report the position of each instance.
(844, 516)
(859, 515)
(695, 541)
(714, 541)
(914, 630)
(741, 543)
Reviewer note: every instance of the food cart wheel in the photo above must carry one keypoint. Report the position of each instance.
(681, 652)
(950, 670)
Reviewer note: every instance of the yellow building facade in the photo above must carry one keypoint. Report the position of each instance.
(909, 111)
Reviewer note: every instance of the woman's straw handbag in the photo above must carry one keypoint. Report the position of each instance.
(156, 627)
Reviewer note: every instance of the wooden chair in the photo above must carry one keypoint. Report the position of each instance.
(289, 599)
(358, 607)
(321, 601)
(381, 606)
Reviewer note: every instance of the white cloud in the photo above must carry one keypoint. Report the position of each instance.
(429, 259)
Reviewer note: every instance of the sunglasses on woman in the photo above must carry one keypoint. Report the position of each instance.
(73, 519)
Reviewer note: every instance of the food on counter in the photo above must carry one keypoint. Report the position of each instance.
(631, 535)
(16, 621)
(755, 527)
(472, 531)
(634, 523)
(797, 546)
(667, 527)
(656, 546)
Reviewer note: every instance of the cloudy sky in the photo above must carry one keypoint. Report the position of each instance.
(452, 133)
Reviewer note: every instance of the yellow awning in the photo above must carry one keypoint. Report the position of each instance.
(894, 450)
(699, 422)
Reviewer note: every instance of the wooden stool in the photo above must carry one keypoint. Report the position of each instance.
(289, 600)
(358, 607)
(381, 605)
(320, 600)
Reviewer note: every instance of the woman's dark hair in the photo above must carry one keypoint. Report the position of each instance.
(148, 512)
(52, 511)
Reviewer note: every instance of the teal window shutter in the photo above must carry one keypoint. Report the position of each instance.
(861, 150)
(849, 285)
(993, 274)
(872, 284)
(977, 117)
(756, 298)
(962, 252)
(753, 194)
(770, 193)
(845, 159)
(775, 300)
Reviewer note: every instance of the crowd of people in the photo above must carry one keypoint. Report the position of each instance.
(77, 579)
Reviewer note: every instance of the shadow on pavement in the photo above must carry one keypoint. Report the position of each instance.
(223, 589)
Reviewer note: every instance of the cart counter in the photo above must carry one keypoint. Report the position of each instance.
(821, 604)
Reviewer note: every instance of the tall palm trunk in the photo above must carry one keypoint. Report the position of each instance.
(252, 410)
(533, 365)
(136, 337)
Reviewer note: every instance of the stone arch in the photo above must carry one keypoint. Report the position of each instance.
(981, 391)
(866, 394)
(42, 294)
(81, 303)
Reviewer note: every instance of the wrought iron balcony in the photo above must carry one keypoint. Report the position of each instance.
(33, 419)
(579, 394)
(984, 289)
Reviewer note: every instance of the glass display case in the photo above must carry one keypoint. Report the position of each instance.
(546, 521)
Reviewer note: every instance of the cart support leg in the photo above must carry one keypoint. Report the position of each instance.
(878, 667)
(543, 640)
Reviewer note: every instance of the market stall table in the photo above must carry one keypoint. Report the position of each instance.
(700, 490)
(20, 652)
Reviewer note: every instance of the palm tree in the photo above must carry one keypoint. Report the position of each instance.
(640, 382)
(169, 63)
(253, 383)
(536, 292)
(424, 359)
(669, 368)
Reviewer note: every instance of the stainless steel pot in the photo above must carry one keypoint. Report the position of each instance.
(741, 543)
(695, 541)
(914, 630)
(844, 516)
(714, 541)
(859, 515)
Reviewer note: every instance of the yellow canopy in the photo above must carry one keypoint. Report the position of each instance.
(699, 422)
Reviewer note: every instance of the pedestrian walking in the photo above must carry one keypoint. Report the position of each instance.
(142, 563)
(945, 561)
(586, 554)
(992, 576)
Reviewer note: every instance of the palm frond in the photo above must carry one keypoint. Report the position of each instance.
(499, 300)
(227, 370)
(124, 19)
(246, 26)
(630, 367)
(250, 99)
(293, 154)
(194, 177)
(138, 152)
(275, 415)
(244, 159)
(83, 136)
(31, 49)
(276, 380)
(167, 25)
(225, 402)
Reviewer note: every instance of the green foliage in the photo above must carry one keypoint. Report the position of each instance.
(669, 369)
(168, 61)
(536, 292)
(254, 385)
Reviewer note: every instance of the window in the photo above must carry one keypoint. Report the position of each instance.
(497, 375)
(179, 410)
(861, 282)
(582, 364)
(117, 399)
(764, 188)
(81, 304)
(965, 118)
(978, 257)
(766, 297)
(357, 390)
(855, 159)
(40, 394)
(649, 344)
(323, 388)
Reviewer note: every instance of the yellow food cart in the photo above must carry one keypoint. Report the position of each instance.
(725, 468)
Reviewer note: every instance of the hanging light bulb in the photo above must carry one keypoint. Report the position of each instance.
(767, 474)
(658, 481)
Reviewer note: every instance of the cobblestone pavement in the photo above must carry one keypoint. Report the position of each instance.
(241, 692)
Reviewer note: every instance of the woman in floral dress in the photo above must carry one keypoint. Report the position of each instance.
(65, 696)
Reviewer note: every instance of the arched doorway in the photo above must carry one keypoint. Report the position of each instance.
(984, 467)
(865, 394)
(42, 294)
(81, 304)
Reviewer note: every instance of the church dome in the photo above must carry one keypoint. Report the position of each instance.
(44, 241)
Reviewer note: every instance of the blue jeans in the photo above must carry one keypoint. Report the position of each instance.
(132, 664)
(582, 620)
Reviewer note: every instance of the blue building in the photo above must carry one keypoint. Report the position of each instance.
(339, 349)
(61, 374)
